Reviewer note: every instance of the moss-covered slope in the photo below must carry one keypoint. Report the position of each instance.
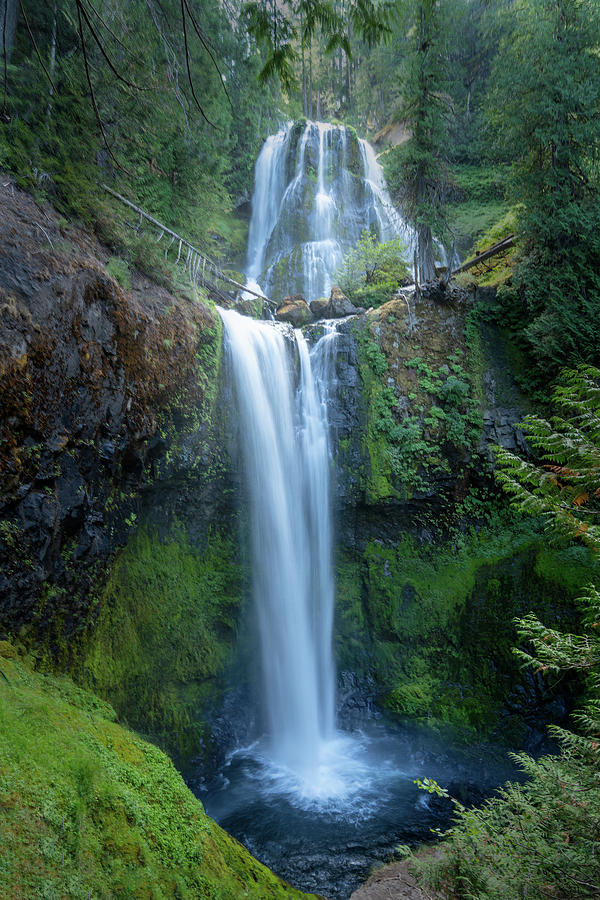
(433, 624)
(87, 809)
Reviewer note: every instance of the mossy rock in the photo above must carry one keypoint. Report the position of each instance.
(164, 635)
(434, 625)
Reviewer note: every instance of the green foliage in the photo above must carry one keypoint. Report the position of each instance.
(476, 203)
(162, 152)
(546, 112)
(373, 270)
(87, 809)
(420, 179)
(565, 485)
(539, 838)
(407, 451)
(281, 31)
(119, 270)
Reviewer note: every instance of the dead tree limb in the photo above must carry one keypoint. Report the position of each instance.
(505, 244)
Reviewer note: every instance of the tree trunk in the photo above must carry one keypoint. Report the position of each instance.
(304, 108)
(310, 83)
(9, 13)
(425, 255)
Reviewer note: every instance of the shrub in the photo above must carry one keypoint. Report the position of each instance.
(373, 270)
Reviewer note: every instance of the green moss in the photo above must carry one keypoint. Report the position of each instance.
(351, 649)
(118, 269)
(372, 365)
(208, 357)
(570, 566)
(478, 201)
(499, 270)
(434, 624)
(87, 809)
(164, 634)
(408, 449)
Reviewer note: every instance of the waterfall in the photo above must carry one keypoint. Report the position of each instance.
(316, 188)
(268, 190)
(286, 457)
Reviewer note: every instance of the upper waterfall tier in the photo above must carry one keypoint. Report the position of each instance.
(316, 188)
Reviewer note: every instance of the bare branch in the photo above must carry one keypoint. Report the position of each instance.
(187, 63)
(35, 46)
(113, 69)
(208, 49)
(4, 25)
(93, 95)
(113, 35)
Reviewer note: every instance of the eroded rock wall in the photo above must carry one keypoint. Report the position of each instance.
(105, 393)
(431, 567)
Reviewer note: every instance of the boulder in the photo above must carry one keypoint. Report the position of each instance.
(250, 306)
(340, 306)
(294, 310)
(319, 308)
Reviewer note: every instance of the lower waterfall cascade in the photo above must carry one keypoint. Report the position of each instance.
(285, 450)
(317, 803)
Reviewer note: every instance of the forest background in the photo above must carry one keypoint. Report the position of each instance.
(486, 113)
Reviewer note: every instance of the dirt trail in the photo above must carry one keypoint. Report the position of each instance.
(393, 882)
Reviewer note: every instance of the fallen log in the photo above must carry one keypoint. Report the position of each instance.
(194, 258)
(505, 244)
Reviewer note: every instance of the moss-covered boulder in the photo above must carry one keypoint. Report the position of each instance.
(294, 310)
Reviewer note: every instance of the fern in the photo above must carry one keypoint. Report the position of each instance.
(564, 484)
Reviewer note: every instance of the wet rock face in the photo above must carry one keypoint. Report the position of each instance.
(337, 307)
(403, 353)
(94, 386)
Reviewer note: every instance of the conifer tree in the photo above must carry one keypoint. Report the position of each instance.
(546, 112)
(425, 112)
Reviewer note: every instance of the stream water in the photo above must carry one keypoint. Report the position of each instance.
(325, 835)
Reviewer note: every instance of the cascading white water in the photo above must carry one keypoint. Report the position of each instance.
(268, 190)
(285, 449)
(316, 188)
